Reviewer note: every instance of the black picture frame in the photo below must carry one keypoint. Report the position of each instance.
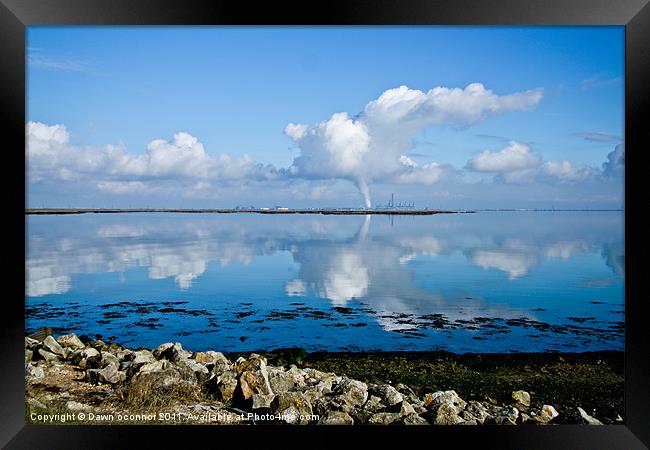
(16, 15)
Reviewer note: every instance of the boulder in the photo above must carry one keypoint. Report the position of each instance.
(171, 352)
(414, 419)
(200, 371)
(389, 395)
(32, 344)
(261, 401)
(383, 418)
(50, 344)
(521, 397)
(336, 418)
(214, 361)
(28, 355)
(156, 366)
(293, 379)
(47, 356)
(587, 418)
(291, 406)
(253, 377)
(549, 412)
(355, 392)
(476, 411)
(81, 358)
(142, 357)
(34, 372)
(507, 416)
(445, 407)
(71, 341)
(108, 375)
(469, 422)
(373, 404)
(109, 358)
(227, 385)
(406, 409)
(446, 414)
(445, 397)
(314, 392)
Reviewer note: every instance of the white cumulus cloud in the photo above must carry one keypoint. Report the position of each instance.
(372, 146)
(50, 156)
(516, 156)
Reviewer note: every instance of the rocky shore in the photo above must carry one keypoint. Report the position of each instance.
(73, 379)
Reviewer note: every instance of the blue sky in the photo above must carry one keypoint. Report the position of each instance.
(233, 90)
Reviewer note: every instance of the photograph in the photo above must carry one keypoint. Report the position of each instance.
(295, 225)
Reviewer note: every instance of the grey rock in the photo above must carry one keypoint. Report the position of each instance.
(469, 422)
(373, 404)
(214, 361)
(445, 407)
(253, 377)
(34, 372)
(143, 357)
(356, 392)
(173, 352)
(222, 387)
(475, 410)
(48, 356)
(336, 418)
(227, 385)
(446, 414)
(28, 355)
(323, 387)
(71, 341)
(587, 418)
(156, 366)
(261, 401)
(162, 348)
(109, 358)
(521, 397)
(292, 405)
(549, 412)
(108, 375)
(450, 398)
(293, 379)
(406, 409)
(50, 344)
(507, 416)
(32, 344)
(383, 418)
(389, 395)
(414, 419)
(280, 381)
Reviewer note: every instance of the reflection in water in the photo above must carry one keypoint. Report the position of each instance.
(448, 265)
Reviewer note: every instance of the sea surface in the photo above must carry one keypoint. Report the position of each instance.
(483, 282)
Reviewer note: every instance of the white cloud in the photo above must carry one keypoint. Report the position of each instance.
(615, 164)
(50, 156)
(514, 157)
(121, 187)
(517, 164)
(295, 131)
(373, 145)
(565, 172)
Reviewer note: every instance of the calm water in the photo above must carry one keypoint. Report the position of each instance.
(484, 282)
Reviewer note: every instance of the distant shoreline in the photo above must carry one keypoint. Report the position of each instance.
(413, 212)
(390, 212)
